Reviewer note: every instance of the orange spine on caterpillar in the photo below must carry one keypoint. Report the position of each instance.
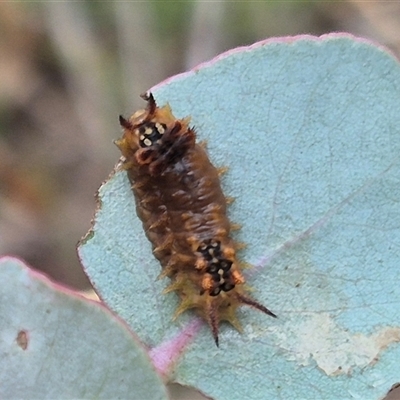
(183, 209)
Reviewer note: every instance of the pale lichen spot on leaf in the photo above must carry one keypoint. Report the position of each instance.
(335, 350)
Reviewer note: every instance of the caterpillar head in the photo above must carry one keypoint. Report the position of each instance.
(154, 137)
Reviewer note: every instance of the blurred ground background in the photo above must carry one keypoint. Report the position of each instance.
(68, 69)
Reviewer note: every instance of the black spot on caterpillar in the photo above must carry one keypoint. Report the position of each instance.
(183, 209)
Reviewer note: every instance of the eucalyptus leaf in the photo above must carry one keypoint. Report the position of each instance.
(310, 130)
(55, 344)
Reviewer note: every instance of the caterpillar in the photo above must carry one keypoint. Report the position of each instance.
(182, 207)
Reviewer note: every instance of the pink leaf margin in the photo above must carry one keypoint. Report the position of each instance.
(274, 40)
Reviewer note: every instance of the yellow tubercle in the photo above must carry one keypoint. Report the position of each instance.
(235, 227)
(229, 200)
(237, 277)
(222, 170)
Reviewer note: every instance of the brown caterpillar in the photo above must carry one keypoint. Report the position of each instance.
(183, 209)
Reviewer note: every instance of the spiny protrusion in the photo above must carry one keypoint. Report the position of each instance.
(235, 226)
(252, 303)
(237, 277)
(229, 200)
(138, 185)
(127, 165)
(125, 124)
(220, 232)
(168, 271)
(174, 286)
(151, 103)
(159, 222)
(186, 304)
(172, 265)
(240, 246)
(213, 319)
(149, 200)
(166, 244)
(245, 265)
(163, 274)
(119, 143)
(222, 170)
(228, 252)
(203, 144)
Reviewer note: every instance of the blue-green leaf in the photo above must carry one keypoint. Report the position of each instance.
(57, 345)
(310, 130)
